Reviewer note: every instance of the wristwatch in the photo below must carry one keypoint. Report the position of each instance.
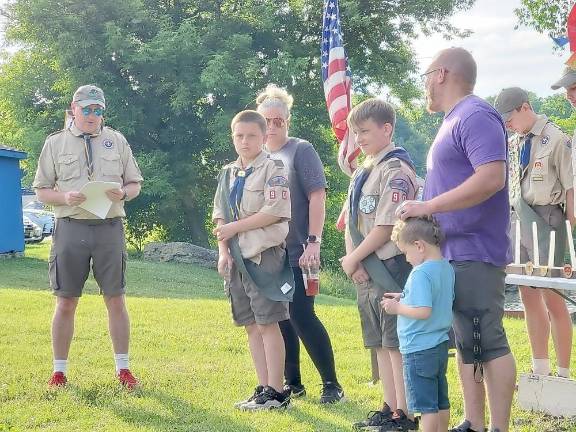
(313, 239)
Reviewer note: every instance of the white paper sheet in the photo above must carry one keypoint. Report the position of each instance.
(97, 202)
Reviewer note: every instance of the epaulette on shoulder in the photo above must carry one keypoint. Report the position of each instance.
(56, 133)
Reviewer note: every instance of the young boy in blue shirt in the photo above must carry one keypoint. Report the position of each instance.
(424, 312)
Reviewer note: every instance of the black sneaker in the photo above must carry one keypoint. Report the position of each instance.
(331, 393)
(374, 419)
(464, 427)
(399, 422)
(259, 389)
(294, 390)
(267, 400)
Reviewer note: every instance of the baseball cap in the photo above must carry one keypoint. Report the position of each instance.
(508, 100)
(568, 79)
(89, 95)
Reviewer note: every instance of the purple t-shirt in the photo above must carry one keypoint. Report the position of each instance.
(472, 134)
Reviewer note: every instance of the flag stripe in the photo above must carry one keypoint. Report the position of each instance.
(336, 77)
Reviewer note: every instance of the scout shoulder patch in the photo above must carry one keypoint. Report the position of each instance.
(394, 163)
(278, 181)
(278, 163)
(399, 184)
(367, 203)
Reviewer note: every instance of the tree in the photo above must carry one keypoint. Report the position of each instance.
(545, 16)
(175, 71)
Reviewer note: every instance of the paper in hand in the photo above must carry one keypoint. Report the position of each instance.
(97, 202)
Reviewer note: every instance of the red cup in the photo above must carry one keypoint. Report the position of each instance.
(312, 286)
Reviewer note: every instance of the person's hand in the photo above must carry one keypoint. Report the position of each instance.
(349, 265)
(74, 198)
(360, 276)
(115, 195)
(224, 265)
(225, 232)
(390, 303)
(413, 209)
(310, 256)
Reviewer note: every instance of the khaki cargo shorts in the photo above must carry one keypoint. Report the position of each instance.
(249, 305)
(78, 244)
(378, 327)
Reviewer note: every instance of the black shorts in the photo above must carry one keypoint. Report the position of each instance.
(478, 311)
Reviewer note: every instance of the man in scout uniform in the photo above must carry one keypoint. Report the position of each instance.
(373, 261)
(542, 192)
(87, 151)
(251, 211)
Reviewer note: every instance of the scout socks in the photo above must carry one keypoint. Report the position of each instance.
(541, 366)
(121, 361)
(60, 366)
(563, 372)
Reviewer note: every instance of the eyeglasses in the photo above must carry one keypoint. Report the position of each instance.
(425, 74)
(278, 122)
(97, 111)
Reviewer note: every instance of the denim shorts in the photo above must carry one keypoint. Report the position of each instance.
(425, 378)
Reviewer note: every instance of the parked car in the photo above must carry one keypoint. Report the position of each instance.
(32, 231)
(38, 213)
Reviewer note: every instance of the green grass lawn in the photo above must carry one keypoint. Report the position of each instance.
(192, 361)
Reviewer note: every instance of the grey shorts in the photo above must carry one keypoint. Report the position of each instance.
(478, 311)
(378, 327)
(555, 218)
(78, 244)
(249, 305)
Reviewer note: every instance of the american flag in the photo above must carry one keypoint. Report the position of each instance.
(337, 81)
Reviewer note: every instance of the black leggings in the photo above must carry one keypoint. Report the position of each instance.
(304, 324)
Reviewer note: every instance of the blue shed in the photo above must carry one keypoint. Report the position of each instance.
(11, 226)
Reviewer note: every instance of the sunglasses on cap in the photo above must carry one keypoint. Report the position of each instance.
(276, 121)
(97, 111)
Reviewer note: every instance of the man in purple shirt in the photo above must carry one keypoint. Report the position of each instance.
(467, 191)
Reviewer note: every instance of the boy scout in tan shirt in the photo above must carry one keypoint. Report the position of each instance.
(373, 261)
(83, 152)
(251, 211)
(541, 191)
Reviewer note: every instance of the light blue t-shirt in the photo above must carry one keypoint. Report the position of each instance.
(430, 284)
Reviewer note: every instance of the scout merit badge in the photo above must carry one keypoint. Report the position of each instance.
(275, 286)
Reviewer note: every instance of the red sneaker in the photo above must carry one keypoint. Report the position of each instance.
(127, 379)
(58, 379)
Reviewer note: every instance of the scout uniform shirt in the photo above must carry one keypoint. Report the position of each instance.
(63, 166)
(390, 183)
(265, 191)
(548, 173)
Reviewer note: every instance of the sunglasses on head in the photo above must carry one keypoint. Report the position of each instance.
(97, 111)
(276, 121)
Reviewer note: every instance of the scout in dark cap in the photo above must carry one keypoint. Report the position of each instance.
(541, 191)
(86, 151)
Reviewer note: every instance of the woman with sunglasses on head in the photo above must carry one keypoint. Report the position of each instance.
(308, 196)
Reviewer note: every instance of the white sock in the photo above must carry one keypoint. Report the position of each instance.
(541, 366)
(60, 366)
(563, 372)
(121, 361)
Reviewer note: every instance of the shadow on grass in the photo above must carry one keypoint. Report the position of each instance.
(156, 410)
(144, 279)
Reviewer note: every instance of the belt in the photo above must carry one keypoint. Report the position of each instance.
(92, 222)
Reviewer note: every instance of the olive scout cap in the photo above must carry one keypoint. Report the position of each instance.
(89, 95)
(508, 100)
(568, 79)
